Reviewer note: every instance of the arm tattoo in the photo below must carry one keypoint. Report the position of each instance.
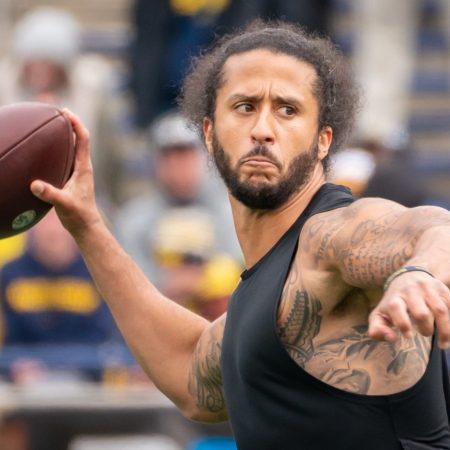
(376, 249)
(344, 361)
(301, 326)
(366, 247)
(205, 378)
(324, 330)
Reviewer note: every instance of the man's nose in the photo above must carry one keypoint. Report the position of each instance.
(262, 131)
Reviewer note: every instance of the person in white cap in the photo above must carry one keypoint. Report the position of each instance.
(46, 63)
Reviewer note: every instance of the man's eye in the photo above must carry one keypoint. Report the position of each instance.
(244, 108)
(287, 110)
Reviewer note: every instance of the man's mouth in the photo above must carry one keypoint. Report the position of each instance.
(259, 161)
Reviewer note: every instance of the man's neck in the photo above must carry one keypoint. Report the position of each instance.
(259, 230)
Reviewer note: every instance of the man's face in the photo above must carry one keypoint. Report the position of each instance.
(265, 138)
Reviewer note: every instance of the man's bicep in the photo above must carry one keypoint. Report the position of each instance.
(367, 241)
(378, 237)
(205, 376)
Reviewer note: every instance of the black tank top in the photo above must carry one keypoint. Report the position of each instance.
(273, 404)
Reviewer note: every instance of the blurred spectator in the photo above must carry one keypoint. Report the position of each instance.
(372, 169)
(11, 248)
(48, 297)
(396, 178)
(192, 274)
(181, 180)
(170, 32)
(395, 182)
(312, 14)
(45, 63)
(353, 168)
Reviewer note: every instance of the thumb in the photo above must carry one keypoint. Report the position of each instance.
(46, 192)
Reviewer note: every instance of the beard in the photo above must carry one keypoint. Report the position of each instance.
(265, 195)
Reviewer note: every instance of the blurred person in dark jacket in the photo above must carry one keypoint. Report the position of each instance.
(395, 176)
(170, 32)
(48, 298)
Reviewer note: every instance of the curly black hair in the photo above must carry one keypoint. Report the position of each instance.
(336, 91)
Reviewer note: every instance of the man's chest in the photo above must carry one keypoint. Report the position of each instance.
(325, 333)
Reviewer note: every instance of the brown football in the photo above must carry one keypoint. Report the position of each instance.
(36, 142)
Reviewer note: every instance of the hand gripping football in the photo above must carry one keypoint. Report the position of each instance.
(36, 142)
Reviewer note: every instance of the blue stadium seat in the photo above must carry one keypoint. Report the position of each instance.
(429, 122)
(213, 443)
(431, 82)
(344, 7)
(432, 39)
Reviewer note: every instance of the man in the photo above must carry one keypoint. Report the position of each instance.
(313, 354)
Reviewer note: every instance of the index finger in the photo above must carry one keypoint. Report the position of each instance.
(81, 136)
(439, 305)
(380, 327)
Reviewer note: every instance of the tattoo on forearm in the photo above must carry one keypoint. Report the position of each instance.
(205, 378)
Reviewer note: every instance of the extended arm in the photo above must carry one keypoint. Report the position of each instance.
(169, 341)
(370, 240)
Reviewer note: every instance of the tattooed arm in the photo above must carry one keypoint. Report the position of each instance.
(369, 240)
(205, 377)
(173, 345)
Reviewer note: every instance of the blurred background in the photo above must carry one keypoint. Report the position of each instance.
(67, 380)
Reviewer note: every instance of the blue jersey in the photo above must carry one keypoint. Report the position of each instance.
(41, 306)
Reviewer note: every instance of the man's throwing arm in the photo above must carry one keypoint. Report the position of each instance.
(179, 350)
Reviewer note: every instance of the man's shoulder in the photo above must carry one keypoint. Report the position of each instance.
(328, 232)
(360, 210)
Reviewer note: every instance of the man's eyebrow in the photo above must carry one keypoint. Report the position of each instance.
(287, 100)
(279, 99)
(238, 97)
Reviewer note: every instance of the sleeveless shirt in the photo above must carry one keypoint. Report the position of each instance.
(274, 404)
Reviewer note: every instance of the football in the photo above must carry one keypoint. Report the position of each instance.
(36, 142)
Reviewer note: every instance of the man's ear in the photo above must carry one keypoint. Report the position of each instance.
(324, 143)
(208, 134)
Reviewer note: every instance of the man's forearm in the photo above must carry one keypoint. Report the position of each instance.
(161, 334)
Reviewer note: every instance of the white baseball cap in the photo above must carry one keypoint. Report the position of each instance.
(172, 130)
(46, 33)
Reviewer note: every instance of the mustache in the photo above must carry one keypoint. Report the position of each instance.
(261, 150)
